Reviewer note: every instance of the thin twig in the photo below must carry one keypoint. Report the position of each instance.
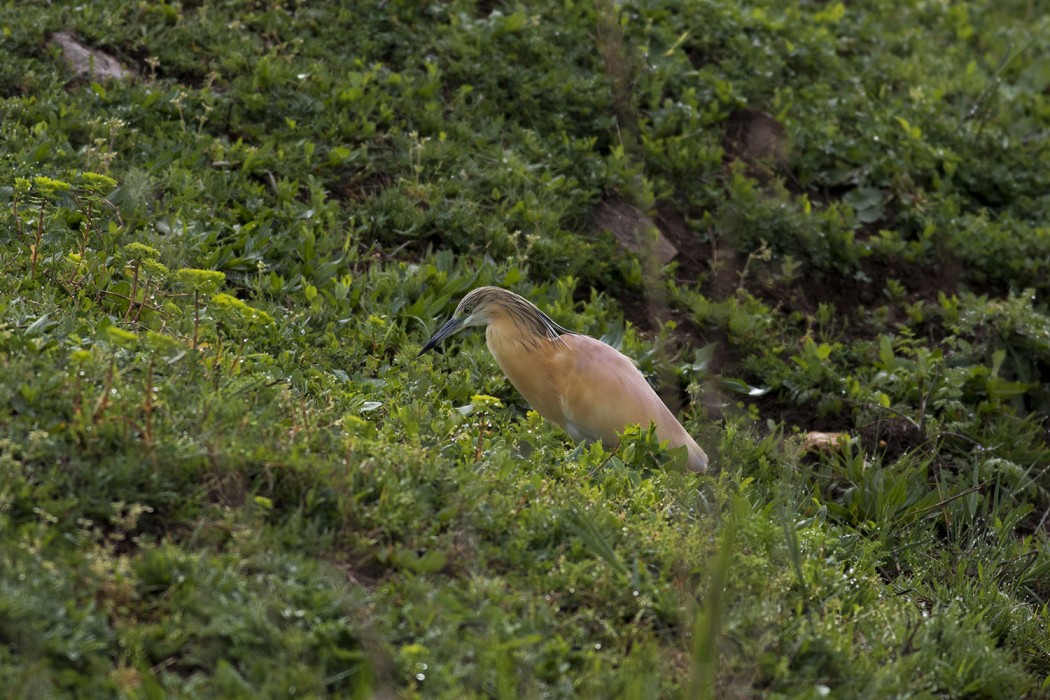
(477, 446)
(103, 399)
(147, 406)
(14, 213)
(196, 318)
(134, 291)
(34, 248)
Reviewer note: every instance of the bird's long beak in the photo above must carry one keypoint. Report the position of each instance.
(450, 328)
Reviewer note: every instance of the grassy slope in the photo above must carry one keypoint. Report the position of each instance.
(248, 486)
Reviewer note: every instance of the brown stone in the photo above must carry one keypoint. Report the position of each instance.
(634, 230)
(86, 61)
(755, 137)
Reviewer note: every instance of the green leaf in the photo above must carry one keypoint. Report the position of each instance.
(202, 281)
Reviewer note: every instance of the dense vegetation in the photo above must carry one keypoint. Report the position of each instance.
(224, 473)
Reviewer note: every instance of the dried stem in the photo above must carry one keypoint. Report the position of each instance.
(477, 446)
(134, 290)
(147, 407)
(196, 318)
(14, 212)
(34, 247)
(103, 399)
(145, 296)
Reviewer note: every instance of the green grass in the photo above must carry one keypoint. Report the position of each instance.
(224, 472)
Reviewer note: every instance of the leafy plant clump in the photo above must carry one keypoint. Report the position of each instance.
(225, 473)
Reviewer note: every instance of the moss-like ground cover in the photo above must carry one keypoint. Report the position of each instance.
(224, 473)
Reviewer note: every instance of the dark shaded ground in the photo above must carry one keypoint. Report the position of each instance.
(757, 142)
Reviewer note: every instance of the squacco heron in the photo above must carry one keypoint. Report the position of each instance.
(583, 385)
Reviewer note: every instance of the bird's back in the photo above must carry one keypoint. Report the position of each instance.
(587, 387)
(607, 392)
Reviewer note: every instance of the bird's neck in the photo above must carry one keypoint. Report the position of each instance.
(516, 349)
(504, 337)
(527, 361)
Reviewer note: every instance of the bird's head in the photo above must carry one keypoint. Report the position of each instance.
(476, 309)
(484, 305)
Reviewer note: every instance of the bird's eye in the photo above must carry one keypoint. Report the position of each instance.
(467, 310)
